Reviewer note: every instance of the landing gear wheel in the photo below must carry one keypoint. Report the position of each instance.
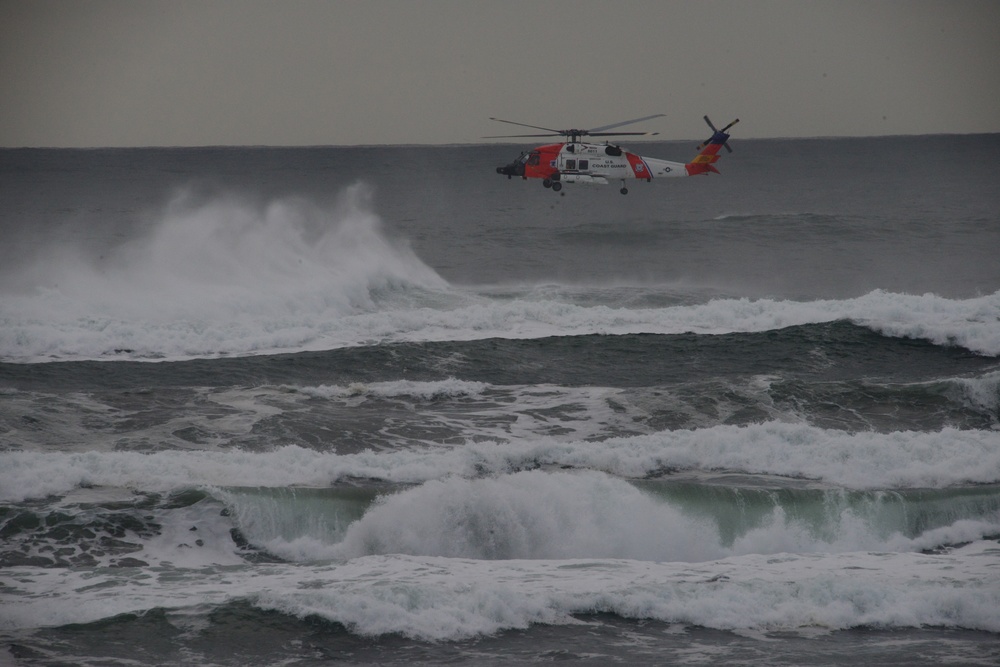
(624, 191)
(547, 183)
(557, 186)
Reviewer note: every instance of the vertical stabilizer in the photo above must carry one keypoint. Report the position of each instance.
(708, 152)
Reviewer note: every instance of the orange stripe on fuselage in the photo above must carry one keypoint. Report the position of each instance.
(702, 163)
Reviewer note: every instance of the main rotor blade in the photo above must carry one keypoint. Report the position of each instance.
(547, 129)
(517, 136)
(621, 134)
(596, 132)
(624, 122)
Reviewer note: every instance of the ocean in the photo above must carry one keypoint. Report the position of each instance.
(380, 405)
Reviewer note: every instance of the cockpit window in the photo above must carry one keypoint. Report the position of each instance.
(533, 159)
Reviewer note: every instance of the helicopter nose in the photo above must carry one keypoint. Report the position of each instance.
(513, 169)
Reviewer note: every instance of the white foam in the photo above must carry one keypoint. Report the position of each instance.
(982, 393)
(437, 598)
(232, 278)
(258, 324)
(450, 388)
(528, 515)
(555, 515)
(451, 410)
(865, 460)
(972, 323)
(226, 277)
(189, 537)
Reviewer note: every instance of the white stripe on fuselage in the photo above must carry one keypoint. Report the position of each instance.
(663, 168)
(594, 159)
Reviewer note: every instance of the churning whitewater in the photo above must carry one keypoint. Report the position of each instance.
(229, 278)
(260, 407)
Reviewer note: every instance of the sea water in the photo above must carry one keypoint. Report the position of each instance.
(380, 405)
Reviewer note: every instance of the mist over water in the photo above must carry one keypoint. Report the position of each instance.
(230, 257)
(203, 273)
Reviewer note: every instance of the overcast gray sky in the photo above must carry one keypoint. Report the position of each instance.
(310, 72)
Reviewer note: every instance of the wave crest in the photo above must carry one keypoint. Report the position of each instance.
(222, 277)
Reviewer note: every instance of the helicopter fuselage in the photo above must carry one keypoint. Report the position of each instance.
(582, 162)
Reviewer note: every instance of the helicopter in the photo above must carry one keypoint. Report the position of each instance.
(576, 161)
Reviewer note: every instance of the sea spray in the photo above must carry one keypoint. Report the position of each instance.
(208, 274)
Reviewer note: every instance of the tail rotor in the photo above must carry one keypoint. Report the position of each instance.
(717, 132)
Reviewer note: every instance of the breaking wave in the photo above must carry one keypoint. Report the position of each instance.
(230, 278)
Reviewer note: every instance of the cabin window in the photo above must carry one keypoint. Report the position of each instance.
(571, 165)
(584, 165)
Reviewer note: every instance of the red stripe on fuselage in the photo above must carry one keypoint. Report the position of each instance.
(545, 165)
(639, 167)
